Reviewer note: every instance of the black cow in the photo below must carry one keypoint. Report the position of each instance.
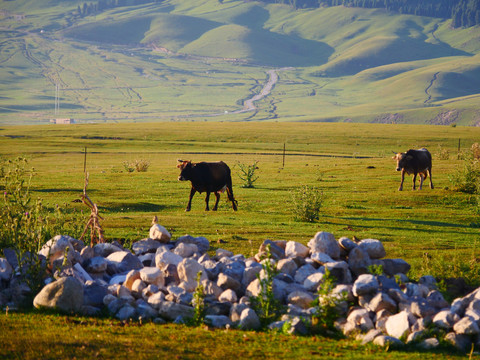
(415, 162)
(207, 177)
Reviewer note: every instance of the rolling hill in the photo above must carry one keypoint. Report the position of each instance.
(180, 60)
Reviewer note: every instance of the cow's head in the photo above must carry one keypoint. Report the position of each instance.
(185, 170)
(402, 160)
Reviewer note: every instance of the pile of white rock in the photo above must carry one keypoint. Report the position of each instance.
(157, 280)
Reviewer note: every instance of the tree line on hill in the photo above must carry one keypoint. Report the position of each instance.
(101, 5)
(464, 13)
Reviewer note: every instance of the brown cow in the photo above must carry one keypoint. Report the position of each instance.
(415, 162)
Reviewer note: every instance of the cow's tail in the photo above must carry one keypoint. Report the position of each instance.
(230, 194)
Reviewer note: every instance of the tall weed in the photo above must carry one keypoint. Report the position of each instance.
(25, 224)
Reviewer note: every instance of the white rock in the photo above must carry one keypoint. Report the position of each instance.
(466, 326)
(6, 269)
(152, 275)
(158, 232)
(312, 282)
(138, 286)
(156, 299)
(303, 272)
(301, 299)
(287, 266)
(220, 253)
(365, 284)
(398, 325)
(132, 275)
(165, 258)
(294, 249)
(228, 296)
(361, 319)
(321, 258)
(324, 242)
(188, 270)
(374, 248)
(445, 319)
(185, 250)
(249, 320)
(385, 341)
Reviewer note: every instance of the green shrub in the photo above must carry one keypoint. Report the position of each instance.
(139, 165)
(198, 303)
(443, 154)
(326, 306)
(307, 201)
(247, 174)
(27, 225)
(265, 305)
(467, 178)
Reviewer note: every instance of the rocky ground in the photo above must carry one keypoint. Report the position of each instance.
(157, 281)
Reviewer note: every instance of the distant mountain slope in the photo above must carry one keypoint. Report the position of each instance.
(114, 58)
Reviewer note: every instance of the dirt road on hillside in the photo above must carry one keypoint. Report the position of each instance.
(249, 105)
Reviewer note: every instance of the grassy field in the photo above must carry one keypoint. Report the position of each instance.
(177, 60)
(60, 337)
(350, 163)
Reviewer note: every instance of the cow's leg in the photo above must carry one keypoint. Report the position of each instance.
(430, 174)
(422, 177)
(414, 179)
(207, 199)
(192, 192)
(400, 188)
(230, 194)
(217, 199)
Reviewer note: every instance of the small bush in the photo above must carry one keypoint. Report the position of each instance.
(247, 174)
(139, 165)
(467, 178)
(442, 153)
(307, 201)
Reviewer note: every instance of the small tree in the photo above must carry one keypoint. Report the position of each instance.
(247, 174)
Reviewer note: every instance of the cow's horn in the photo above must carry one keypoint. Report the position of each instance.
(180, 160)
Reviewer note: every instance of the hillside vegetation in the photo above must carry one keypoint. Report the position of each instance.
(176, 59)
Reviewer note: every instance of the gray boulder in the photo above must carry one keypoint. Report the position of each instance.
(324, 242)
(65, 294)
(249, 320)
(145, 246)
(123, 261)
(202, 243)
(6, 270)
(365, 284)
(359, 261)
(373, 247)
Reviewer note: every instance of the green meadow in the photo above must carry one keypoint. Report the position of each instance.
(350, 163)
